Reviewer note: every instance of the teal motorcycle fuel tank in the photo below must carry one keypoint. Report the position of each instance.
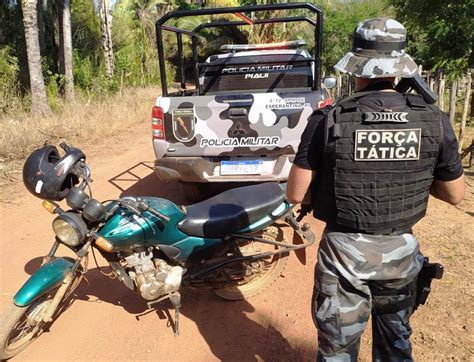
(127, 231)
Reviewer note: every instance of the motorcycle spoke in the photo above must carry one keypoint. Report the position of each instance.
(19, 337)
(259, 270)
(22, 332)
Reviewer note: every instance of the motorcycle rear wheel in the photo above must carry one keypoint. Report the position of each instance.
(20, 326)
(261, 274)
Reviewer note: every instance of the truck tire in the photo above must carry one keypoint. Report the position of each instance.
(194, 192)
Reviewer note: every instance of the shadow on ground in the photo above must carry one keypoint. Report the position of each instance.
(229, 333)
(141, 180)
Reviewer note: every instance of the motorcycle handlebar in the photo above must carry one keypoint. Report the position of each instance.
(137, 206)
(145, 207)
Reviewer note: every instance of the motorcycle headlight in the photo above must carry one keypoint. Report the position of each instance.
(70, 228)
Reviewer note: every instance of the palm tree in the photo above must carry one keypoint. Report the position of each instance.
(67, 46)
(39, 100)
(105, 12)
(61, 10)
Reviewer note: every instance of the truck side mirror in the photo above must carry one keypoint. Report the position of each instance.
(330, 82)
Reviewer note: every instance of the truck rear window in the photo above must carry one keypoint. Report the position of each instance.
(262, 73)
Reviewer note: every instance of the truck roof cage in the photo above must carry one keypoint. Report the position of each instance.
(239, 12)
(247, 47)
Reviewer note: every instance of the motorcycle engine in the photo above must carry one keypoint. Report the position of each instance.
(154, 277)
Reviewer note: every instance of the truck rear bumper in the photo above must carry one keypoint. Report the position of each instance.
(205, 169)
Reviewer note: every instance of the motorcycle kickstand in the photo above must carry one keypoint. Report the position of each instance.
(175, 299)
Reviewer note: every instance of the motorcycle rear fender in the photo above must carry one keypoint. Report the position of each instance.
(47, 277)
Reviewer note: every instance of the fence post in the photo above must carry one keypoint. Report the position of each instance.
(338, 85)
(467, 100)
(431, 78)
(441, 91)
(452, 101)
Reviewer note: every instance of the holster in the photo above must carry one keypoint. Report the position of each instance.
(385, 301)
(428, 272)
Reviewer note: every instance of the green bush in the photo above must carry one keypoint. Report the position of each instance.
(91, 78)
(10, 96)
(54, 83)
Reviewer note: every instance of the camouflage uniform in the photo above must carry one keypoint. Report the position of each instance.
(349, 267)
(353, 269)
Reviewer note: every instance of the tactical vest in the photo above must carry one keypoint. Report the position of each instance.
(382, 165)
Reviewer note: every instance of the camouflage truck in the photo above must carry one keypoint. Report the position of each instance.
(242, 118)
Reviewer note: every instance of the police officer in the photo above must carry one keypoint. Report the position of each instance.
(371, 162)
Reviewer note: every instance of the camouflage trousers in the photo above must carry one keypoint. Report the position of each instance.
(349, 267)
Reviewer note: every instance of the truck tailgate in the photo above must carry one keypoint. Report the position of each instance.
(236, 124)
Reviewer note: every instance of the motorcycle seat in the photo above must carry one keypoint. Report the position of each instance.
(232, 210)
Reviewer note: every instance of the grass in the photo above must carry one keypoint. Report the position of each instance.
(78, 123)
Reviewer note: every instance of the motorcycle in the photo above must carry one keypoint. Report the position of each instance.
(232, 243)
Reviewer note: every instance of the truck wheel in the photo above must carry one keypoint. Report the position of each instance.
(194, 192)
(252, 277)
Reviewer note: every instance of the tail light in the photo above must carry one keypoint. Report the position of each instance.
(157, 123)
(325, 103)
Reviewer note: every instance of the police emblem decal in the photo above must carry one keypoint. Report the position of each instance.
(391, 117)
(183, 124)
(238, 130)
(387, 145)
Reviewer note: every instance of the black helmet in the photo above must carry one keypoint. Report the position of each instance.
(47, 175)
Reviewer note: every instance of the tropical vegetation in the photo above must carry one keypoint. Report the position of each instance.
(114, 47)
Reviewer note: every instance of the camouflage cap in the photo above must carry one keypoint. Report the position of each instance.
(378, 51)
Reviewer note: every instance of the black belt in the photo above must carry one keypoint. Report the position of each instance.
(386, 232)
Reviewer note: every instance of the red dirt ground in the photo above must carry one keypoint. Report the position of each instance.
(108, 322)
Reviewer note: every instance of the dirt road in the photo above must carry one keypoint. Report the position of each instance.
(108, 322)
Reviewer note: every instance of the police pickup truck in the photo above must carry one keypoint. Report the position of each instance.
(242, 118)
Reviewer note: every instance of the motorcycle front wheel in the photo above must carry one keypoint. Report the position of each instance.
(252, 277)
(20, 326)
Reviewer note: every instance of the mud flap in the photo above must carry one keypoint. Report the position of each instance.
(47, 277)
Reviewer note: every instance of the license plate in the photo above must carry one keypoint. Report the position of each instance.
(247, 167)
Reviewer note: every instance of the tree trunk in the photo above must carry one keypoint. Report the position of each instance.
(39, 100)
(105, 12)
(472, 98)
(464, 110)
(40, 9)
(67, 39)
(452, 102)
(58, 34)
(441, 92)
